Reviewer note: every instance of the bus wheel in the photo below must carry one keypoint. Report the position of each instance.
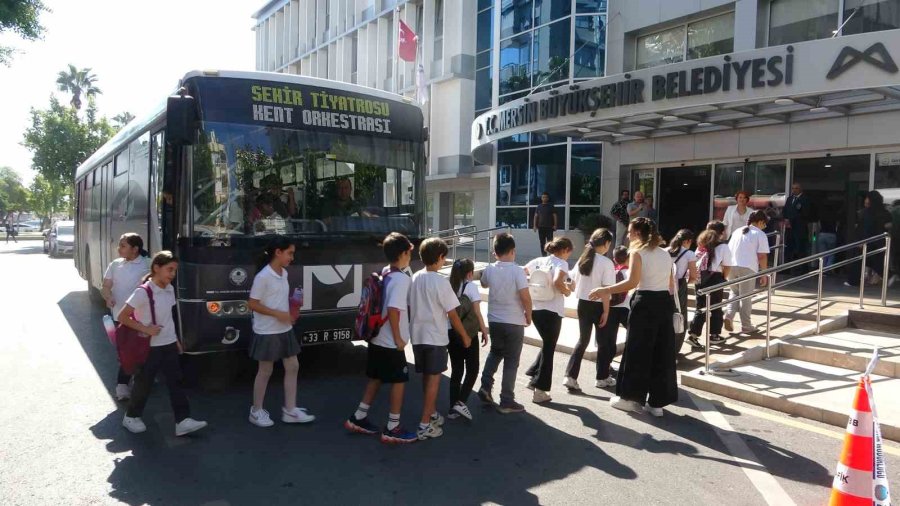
(94, 295)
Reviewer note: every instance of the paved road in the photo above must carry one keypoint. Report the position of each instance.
(62, 441)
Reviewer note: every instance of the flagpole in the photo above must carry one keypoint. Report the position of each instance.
(396, 78)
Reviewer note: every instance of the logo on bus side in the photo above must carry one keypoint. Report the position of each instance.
(238, 276)
(331, 286)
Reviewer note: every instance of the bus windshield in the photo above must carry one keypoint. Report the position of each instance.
(259, 180)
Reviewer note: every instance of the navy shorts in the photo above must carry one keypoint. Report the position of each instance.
(430, 359)
(387, 365)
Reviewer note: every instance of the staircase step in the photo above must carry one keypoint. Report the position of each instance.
(881, 319)
(815, 391)
(848, 349)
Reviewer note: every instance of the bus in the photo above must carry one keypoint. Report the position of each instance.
(233, 158)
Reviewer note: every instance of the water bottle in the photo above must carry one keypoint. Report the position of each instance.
(110, 326)
(296, 302)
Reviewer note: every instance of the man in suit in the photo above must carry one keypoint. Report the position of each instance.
(797, 214)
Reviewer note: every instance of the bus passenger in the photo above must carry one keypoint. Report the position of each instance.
(153, 317)
(342, 203)
(272, 186)
(273, 333)
(263, 218)
(122, 276)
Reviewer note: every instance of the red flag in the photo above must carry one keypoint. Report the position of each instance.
(407, 42)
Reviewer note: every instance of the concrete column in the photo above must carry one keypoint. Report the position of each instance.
(610, 176)
(745, 19)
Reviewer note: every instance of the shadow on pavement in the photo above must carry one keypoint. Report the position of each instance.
(27, 248)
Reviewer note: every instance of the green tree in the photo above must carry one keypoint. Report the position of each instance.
(46, 197)
(77, 82)
(13, 196)
(20, 17)
(120, 120)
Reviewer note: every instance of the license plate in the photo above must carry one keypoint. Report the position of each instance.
(326, 336)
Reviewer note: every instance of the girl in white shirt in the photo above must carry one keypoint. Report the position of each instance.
(464, 361)
(149, 311)
(647, 373)
(593, 270)
(714, 264)
(547, 315)
(273, 334)
(122, 276)
(685, 273)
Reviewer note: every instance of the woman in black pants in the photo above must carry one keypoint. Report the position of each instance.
(548, 302)
(647, 373)
(594, 270)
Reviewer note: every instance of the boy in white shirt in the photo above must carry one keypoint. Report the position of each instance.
(386, 361)
(432, 302)
(509, 312)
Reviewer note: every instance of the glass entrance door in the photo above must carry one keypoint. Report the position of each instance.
(684, 195)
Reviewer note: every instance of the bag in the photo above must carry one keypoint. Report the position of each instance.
(467, 314)
(132, 346)
(371, 305)
(677, 317)
(618, 298)
(540, 283)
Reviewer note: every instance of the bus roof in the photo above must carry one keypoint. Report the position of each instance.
(144, 122)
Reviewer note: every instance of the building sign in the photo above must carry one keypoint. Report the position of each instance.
(849, 56)
(286, 105)
(771, 71)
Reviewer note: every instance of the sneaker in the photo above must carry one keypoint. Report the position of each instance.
(123, 392)
(625, 405)
(437, 420)
(486, 397)
(510, 407)
(729, 324)
(717, 339)
(453, 415)
(460, 409)
(398, 435)
(847, 284)
(571, 384)
(657, 412)
(431, 431)
(261, 418)
(694, 341)
(134, 424)
(360, 426)
(188, 425)
(298, 415)
(540, 396)
(604, 383)
(749, 330)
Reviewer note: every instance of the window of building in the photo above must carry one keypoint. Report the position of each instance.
(798, 20)
(515, 17)
(548, 173)
(438, 30)
(584, 6)
(711, 36)
(484, 84)
(660, 48)
(590, 46)
(512, 217)
(463, 209)
(697, 39)
(485, 30)
(515, 64)
(765, 181)
(887, 179)
(585, 186)
(863, 16)
(551, 53)
(546, 11)
(512, 178)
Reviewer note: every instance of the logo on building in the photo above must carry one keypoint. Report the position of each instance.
(876, 55)
(331, 286)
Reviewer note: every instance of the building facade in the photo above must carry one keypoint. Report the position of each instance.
(702, 98)
(355, 41)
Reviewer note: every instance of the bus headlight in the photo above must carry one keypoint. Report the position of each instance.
(228, 308)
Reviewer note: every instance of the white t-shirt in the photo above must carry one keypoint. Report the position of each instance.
(721, 258)
(431, 298)
(505, 280)
(126, 275)
(558, 303)
(272, 291)
(603, 273)
(396, 295)
(468, 289)
(163, 301)
(681, 266)
(656, 268)
(733, 220)
(745, 247)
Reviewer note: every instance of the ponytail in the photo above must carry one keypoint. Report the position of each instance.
(682, 235)
(600, 237)
(558, 244)
(278, 243)
(648, 234)
(461, 268)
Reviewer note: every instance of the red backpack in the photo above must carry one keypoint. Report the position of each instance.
(371, 304)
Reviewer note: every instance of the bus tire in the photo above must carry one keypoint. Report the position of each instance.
(94, 295)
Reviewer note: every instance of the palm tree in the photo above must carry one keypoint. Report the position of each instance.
(77, 82)
(122, 119)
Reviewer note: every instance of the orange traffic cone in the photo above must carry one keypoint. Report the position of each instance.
(852, 484)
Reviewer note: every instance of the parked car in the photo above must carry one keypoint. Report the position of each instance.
(27, 227)
(61, 239)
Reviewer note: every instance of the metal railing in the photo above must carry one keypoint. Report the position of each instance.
(455, 239)
(771, 285)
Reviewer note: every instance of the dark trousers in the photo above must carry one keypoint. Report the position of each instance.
(647, 372)
(715, 319)
(589, 314)
(8, 235)
(463, 361)
(797, 241)
(165, 359)
(548, 325)
(545, 235)
(121, 377)
(683, 301)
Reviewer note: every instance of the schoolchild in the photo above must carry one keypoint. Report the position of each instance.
(509, 312)
(593, 270)
(432, 303)
(122, 276)
(273, 334)
(153, 317)
(464, 361)
(385, 357)
(714, 264)
(548, 314)
(685, 273)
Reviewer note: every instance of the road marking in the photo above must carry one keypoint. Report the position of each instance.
(764, 482)
(790, 422)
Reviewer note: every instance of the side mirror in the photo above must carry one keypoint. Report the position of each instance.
(181, 118)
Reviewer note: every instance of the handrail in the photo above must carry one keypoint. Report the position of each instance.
(771, 285)
(455, 238)
(451, 231)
